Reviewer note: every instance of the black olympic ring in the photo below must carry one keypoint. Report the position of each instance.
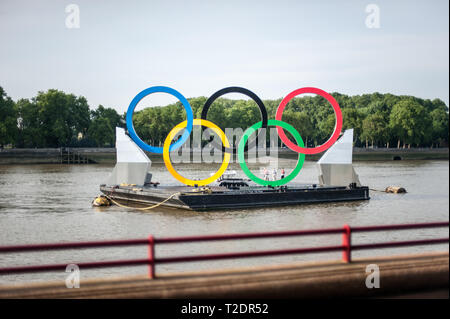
(250, 94)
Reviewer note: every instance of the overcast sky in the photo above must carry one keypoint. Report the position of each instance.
(199, 47)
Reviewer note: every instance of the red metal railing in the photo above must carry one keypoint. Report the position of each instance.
(151, 241)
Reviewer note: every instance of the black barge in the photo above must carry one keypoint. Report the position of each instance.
(221, 197)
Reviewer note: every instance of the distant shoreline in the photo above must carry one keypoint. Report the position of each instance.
(108, 155)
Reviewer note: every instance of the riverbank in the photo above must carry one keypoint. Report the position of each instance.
(108, 155)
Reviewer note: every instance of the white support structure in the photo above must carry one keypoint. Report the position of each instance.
(132, 165)
(335, 166)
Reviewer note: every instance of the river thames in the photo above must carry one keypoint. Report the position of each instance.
(52, 203)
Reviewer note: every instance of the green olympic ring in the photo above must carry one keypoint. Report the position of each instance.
(257, 180)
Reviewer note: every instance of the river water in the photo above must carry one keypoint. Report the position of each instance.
(52, 203)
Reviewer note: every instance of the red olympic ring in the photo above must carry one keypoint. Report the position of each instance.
(337, 127)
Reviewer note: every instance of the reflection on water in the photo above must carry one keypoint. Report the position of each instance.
(52, 203)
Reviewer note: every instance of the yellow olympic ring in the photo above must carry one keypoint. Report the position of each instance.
(190, 182)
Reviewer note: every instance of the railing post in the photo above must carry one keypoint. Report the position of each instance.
(151, 257)
(347, 244)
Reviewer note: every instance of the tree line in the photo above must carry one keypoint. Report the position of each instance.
(378, 120)
(55, 119)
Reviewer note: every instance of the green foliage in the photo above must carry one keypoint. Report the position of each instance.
(301, 122)
(102, 126)
(30, 133)
(51, 119)
(375, 128)
(352, 118)
(54, 118)
(8, 119)
(440, 127)
(382, 119)
(101, 132)
(410, 122)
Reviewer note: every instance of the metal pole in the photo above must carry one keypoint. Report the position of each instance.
(347, 244)
(151, 257)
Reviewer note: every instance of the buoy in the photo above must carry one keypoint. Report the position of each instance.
(101, 201)
(395, 189)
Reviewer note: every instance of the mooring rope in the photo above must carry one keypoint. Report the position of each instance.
(377, 190)
(143, 208)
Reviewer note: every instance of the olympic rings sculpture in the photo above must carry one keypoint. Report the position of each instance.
(225, 147)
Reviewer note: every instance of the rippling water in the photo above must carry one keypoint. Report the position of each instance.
(52, 203)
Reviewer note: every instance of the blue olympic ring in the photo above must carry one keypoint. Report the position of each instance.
(140, 96)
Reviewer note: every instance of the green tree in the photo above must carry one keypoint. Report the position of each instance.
(102, 126)
(374, 128)
(60, 117)
(8, 120)
(326, 127)
(30, 132)
(301, 122)
(410, 122)
(351, 118)
(54, 118)
(54, 115)
(79, 113)
(440, 126)
(101, 132)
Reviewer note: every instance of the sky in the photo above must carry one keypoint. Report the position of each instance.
(199, 47)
